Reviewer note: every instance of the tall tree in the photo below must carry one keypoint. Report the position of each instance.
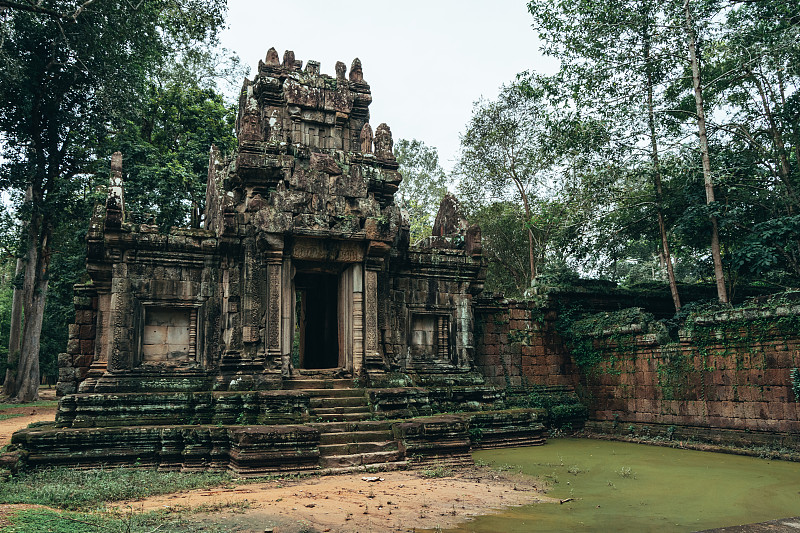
(69, 69)
(423, 187)
(165, 149)
(504, 155)
(615, 56)
(691, 43)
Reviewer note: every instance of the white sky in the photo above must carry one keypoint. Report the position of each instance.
(426, 61)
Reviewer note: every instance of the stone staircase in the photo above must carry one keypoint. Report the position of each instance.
(349, 439)
(347, 446)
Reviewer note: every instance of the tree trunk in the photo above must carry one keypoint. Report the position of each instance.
(14, 335)
(34, 294)
(528, 216)
(719, 275)
(662, 228)
(780, 146)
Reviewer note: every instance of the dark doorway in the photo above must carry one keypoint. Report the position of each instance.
(317, 323)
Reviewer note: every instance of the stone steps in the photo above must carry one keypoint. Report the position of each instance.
(343, 417)
(359, 459)
(318, 383)
(349, 437)
(353, 448)
(352, 406)
(344, 401)
(341, 410)
(348, 440)
(352, 427)
(335, 393)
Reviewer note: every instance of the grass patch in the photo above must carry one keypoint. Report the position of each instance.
(436, 471)
(40, 403)
(38, 520)
(12, 415)
(89, 489)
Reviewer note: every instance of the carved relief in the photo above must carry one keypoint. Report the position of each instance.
(274, 127)
(318, 250)
(384, 143)
(274, 313)
(250, 127)
(371, 311)
(366, 138)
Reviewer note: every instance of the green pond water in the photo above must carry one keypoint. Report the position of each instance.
(620, 486)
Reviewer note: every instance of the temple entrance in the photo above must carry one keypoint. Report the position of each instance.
(317, 329)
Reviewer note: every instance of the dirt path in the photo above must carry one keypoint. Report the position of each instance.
(400, 502)
(29, 415)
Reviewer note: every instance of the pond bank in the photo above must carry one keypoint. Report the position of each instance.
(716, 440)
(627, 487)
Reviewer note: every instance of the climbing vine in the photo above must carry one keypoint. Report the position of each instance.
(795, 377)
(606, 337)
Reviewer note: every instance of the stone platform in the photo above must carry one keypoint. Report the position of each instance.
(328, 430)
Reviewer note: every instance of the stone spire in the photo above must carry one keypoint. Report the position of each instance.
(272, 58)
(356, 74)
(115, 203)
(341, 70)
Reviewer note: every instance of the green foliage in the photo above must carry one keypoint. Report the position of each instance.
(581, 333)
(563, 408)
(673, 373)
(70, 71)
(165, 147)
(423, 187)
(439, 470)
(41, 403)
(794, 376)
(127, 520)
(73, 489)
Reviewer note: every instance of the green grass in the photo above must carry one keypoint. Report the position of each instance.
(437, 471)
(41, 403)
(39, 520)
(11, 415)
(82, 490)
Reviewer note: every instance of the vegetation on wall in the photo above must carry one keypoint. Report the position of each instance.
(794, 375)
(594, 338)
(599, 342)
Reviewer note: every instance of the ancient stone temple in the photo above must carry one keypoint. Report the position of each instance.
(301, 301)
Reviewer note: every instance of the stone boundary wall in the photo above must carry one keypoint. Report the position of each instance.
(516, 344)
(731, 372)
(732, 379)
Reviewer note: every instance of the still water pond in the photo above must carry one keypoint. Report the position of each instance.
(620, 486)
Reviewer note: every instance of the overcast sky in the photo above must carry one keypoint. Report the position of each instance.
(426, 61)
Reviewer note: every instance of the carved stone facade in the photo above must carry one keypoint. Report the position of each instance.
(304, 263)
(299, 306)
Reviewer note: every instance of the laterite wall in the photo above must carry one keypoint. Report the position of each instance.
(729, 371)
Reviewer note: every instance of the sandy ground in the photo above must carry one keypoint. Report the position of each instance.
(402, 501)
(30, 415)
